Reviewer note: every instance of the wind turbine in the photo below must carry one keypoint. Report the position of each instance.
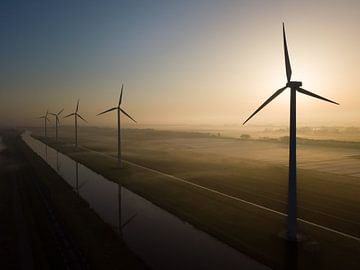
(57, 122)
(119, 109)
(294, 87)
(76, 115)
(46, 118)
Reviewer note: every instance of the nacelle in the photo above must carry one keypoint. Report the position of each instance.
(294, 84)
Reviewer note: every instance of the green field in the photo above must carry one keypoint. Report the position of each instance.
(327, 199)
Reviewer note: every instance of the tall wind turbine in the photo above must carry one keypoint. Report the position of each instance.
(294, 87)
(57, 122)
(46, 119)
(76, 115)
(119, 109)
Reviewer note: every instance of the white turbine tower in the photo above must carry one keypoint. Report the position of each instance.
(76, 115)
(294, 87)
(57, 122)
(119, 109)
(46, 119)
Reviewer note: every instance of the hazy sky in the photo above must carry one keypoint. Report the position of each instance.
(182, 62)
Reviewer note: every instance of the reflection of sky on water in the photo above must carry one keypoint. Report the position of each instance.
(161, 239)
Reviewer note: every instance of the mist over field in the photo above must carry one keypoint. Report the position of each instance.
(177, 135)
(337, 133)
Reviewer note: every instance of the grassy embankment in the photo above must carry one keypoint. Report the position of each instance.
(25, 232)
(98, 243)
(249, 229)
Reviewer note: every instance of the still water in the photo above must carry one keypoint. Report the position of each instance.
(160, 239)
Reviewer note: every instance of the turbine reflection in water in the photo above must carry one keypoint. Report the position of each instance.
(178, 244)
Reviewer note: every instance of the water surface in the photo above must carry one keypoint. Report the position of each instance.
(160, 239)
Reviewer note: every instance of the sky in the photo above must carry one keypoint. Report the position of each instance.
(182, 62)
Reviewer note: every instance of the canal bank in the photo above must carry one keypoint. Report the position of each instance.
(159, 238)
(251, 230)
(62, 231)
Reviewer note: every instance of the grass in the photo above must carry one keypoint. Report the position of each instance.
(323, 197)
(315, 142)
(29, 242)
(100, 245)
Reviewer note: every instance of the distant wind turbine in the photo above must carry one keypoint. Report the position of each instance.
(76, 115)
(119, 109)
(46, 119)
(294, 87)
(57, 122)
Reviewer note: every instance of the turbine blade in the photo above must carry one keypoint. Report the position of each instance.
(109, 110)
(127, 115)
(83, 184)
(77, 106)
(71, 114)
(121, 93)
(60, 111)
(81, 118)
(287, 59)
(305, 92)
(278, 92)
(128, 221)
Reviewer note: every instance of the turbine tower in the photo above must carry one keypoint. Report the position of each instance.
(46, 118)
(119, 109)
(76, 115)
(57, 122)
(294, 87)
